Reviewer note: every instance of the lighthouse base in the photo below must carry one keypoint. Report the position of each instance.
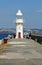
(19, 35)
(19, 38)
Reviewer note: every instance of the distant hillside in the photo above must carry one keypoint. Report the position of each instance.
(13, 30)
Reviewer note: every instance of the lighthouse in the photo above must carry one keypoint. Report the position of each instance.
(19, 24)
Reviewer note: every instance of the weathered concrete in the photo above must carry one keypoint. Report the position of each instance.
(29, 53)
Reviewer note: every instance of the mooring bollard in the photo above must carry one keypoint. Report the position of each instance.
(5, 41)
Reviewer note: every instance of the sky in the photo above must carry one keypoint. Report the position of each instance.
(31, 9)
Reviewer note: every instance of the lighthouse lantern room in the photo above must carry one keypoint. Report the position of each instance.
(19, 24)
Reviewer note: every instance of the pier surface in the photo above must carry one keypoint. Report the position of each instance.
(22, 52)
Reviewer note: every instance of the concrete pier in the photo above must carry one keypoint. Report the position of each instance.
(28, 52)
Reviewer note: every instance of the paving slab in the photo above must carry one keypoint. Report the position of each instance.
(29, 53)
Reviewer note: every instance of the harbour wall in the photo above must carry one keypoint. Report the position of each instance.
(37, 38)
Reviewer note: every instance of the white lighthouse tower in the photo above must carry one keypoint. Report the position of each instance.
(19, 24)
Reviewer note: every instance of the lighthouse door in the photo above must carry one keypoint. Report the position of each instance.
(19, 35)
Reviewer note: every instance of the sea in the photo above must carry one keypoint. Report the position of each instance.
(4, 35)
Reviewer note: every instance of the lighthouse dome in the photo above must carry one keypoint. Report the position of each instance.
(19, 18)
(19, 13)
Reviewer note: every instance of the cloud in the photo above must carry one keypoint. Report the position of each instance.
(38, 10)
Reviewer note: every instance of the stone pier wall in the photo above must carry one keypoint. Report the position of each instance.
(37, 38)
